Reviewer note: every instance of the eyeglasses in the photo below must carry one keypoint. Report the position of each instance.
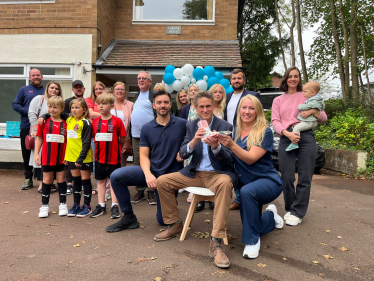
(142, 78)
(120, 90)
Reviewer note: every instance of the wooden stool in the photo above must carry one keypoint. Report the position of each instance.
(199, 194)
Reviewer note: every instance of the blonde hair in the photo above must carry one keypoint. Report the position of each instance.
(93, 96)
(222, 103)
(105, 98)
(159, 86)
(259, 127)
(56, 101)
(188, 92)
(179, 104)
(46, 95)
(83, 104)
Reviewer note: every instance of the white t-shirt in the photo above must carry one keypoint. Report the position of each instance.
(231, 107)
(141, 114)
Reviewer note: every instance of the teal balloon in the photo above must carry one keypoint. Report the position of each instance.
(212, 81)
(219, 75)
(224, 82)
(210, 71)
(169, 69)
(168, 78)
(229, 90)
(198, 73)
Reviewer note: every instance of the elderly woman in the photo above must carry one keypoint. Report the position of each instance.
(284, 118)
(181, 101)
(38, 107)
(219, 95)
(97, 89)
(259, 182)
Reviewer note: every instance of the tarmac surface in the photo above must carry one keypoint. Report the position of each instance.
(335, 241)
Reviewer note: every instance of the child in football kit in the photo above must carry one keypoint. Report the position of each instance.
(79, 157)
(52, 134)
(109, 135)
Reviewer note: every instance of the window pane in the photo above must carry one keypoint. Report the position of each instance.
(11, 70)
(65, 88)
(8, 92)
(173, 10)
(54, 71)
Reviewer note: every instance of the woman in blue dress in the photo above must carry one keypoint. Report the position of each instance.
(259, 182)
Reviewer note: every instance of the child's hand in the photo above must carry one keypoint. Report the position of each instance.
(37, 160)
(66, 162)
(77, 165)
(41, 121)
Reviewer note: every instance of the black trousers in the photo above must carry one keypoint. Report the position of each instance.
(26, 154)
(296, 200)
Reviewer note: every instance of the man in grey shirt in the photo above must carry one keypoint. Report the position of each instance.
(142, 114)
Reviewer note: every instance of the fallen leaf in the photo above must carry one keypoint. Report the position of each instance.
(77, 245)
(142, 259)
(261, 265)
(327, 231)
(47, 233)
(83, 242)
(71, 237)
(339, 237)
(323, 244)
(357, 269)
(6, 202)
(315, 262)
(321, 274)
(157, 279)
(142, 226)
(284, 259)
(71, 261)
(54, 212)
(25, 212)
(207, 221)
(97, 247)
(327, 257)
(344, 249)
(153, 258)
(161, 230)
(277, 243)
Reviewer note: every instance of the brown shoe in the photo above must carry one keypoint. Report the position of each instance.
(169, 233)
(234, 206)
(216, 252)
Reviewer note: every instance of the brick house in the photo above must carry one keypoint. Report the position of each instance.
(111, 40)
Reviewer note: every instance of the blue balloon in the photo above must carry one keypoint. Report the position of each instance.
(219, 75)
(229, 90)
(169, 69)
(210, 71)
(212, 81)
(224, 82)
(168, 78)
(198, 73)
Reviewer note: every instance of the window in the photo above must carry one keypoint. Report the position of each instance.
(173, 11)
(13, 77)
(26, 1)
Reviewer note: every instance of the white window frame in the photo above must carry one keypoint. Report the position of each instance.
(2, 2)
(174, 22)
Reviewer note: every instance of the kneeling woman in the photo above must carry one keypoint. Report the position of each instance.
(259, 181)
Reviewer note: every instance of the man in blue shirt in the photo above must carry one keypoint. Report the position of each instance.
(142, 113)
(21, 105)
(160, 141)
(211, 167)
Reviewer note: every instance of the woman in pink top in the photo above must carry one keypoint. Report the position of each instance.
(97, 90)
(284, 118)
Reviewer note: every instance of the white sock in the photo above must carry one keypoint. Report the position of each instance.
(102, 205)
(113, 204)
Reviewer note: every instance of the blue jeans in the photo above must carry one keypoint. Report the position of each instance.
(253, 196)
(237, 198)
(131, 176)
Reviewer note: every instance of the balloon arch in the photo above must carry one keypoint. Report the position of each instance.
(176, 79)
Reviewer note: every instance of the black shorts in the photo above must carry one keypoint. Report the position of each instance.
(103, 171)
(84, 167)
(57, 169)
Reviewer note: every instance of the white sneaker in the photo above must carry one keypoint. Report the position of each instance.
(181, 190)
(278, 220)
(287, 215)
(107, 196)
(43, 211)
(252, 251)
(63, 209)
(293, 220)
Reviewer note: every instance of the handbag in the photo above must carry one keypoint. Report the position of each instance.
(29, 140)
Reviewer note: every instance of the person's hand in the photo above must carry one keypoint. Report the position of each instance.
(212, 141)
(66, 162)
(41, 121)
(307, 113)
(198, 136)
(77, 165)
(125, 150)
(37, 160)
(226, 141)
(293, 136)
(178, 158)
(151, 181)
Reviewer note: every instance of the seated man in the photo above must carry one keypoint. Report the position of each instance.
(211, 167)
(160, 140)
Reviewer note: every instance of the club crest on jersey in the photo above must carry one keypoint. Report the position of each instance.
(76, 127)
(62, 131)
(110, 128)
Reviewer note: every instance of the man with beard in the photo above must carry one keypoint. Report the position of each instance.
(164, 133)
(232, 100)
(78, 90)
(21, 105)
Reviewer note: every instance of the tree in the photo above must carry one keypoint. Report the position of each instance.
(280, 35)
(300, 39)
(195, 10)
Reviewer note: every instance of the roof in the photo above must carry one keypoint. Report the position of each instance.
(162, 53)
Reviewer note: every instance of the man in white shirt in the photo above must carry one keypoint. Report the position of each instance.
(142, 114)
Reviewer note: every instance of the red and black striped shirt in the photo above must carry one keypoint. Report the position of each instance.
(106, 151)
(54, 142)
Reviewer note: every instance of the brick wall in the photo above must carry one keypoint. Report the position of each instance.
(62, 17)
(225, 27)
(106, 21)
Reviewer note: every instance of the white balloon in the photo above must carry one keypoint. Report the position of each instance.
(178, 73)
(177, 85)
(205, 79)
(169, 88)
(202, 84)
(193, 81)
(185, 80)
(186, 88)
(199, 67)
(188, 69)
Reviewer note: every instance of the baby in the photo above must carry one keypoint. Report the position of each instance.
(314, 101)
